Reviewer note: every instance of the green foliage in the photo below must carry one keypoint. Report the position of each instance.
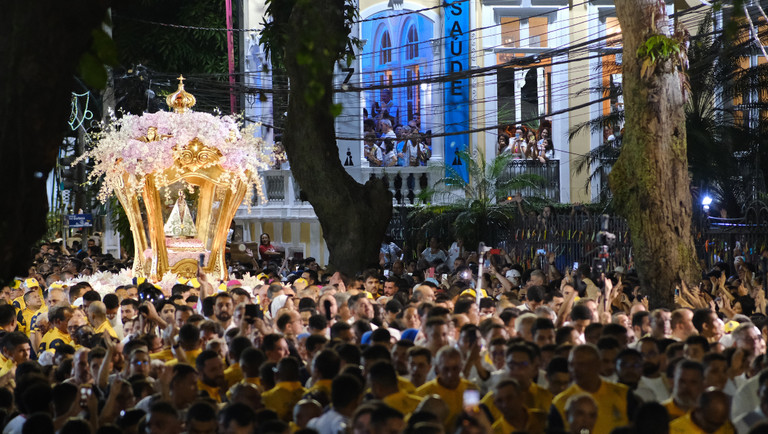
(92, 65)
(658, 47)
(170, 49)
(474, 211)
(120, 222)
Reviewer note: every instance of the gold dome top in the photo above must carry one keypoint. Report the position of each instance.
(180, 101)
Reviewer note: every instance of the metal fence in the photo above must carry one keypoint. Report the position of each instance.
(549, 171)
(721, 239)
(573, 239)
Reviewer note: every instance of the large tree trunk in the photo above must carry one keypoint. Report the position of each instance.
(650, 179)
(40, 45)
(354, 217)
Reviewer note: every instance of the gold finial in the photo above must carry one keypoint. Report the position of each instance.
(181, 100)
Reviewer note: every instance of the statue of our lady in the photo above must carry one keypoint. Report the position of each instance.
(180, 223)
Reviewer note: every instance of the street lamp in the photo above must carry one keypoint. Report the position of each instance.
(706, 201)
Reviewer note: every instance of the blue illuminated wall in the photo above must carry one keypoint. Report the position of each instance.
(397, 50)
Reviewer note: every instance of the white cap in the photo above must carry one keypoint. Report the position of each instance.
(512, 274)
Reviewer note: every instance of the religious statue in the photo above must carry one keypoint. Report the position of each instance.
(153, 136)
(180, 223)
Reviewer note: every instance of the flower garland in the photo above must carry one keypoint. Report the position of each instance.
(143, 145)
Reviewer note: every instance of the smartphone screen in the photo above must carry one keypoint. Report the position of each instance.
(471, 398)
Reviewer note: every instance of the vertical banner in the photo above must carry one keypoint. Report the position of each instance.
(456, 107)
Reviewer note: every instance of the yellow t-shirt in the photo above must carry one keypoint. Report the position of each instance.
(406, 386)
(611, 399)
(684, 425)
(454, 399)
(321, 387)
(164, 355)
(403, 402)
(535, 398)
(53, 339)
(105, 327)
(537, 421)
(24, 318)
(283, 397)
(33, 323)
(213, 392)
(191, 357)
(673, 409)
(233, 374)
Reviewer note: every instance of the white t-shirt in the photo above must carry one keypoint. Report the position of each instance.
(655, 385)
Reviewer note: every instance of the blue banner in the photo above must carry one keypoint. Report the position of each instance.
(457, 55)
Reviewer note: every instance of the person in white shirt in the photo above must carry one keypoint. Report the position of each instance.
(746, 421)
(652, 378)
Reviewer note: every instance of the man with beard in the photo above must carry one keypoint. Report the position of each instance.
(223, 309)
(689, 384)
(652, 378)
(211, 380)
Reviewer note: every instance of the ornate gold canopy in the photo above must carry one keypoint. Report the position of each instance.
(196, 176)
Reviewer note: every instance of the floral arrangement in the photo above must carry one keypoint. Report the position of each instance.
(142, 145)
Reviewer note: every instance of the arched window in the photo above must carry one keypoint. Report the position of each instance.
(412, 46)
(385, 55)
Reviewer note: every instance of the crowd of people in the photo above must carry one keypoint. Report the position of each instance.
(418, 348)
(525, 143)
(387, 143)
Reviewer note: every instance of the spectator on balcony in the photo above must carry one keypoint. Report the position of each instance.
(386, 129)
(546, 150)
(372, 150)
(418, 150)
(267, 251)
(403, 143)
(518, 145)
(503, 143)
(390, 156)
(531, 150)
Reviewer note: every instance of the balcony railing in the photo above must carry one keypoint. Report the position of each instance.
(406, 183)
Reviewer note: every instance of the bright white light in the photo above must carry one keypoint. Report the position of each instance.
(706, 201)
(424, 86)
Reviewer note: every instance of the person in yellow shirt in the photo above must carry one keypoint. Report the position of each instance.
(7, 318)
(325, 367)
(58, 335)
(615, 402)
(234, 373)
(688, 386)
(709, 416)
(383, 380)
(32, 304)
(508, 399)
(16, 350)
(448, 385)
(251, 360)
(211, 379)
(376, 353)
(521, 367)
(97, 317)
(287, 391)
(190, 345)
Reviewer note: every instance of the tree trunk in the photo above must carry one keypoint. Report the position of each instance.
(650, 179)
(41, 44)
(354, 217)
